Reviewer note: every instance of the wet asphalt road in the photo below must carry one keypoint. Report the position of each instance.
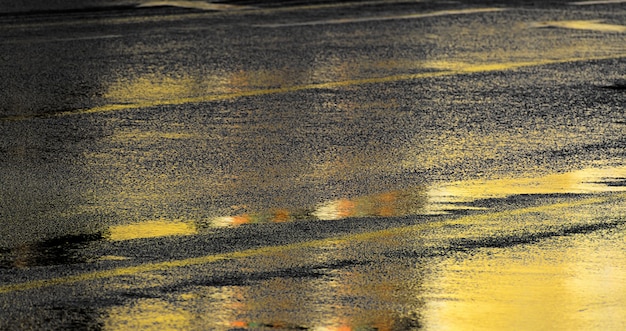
(327, 166)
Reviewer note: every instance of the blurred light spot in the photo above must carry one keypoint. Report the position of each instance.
(441, 198)
(150, 229)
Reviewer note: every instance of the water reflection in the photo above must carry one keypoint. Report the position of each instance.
(323, 155)
(568, 281)
(150, 229)
(388, 204)
(551, 267)
(442, 198)
(585, 181)
(148, 314)
(332, 154)
(158, 88)
(434, 199)
(559, 284)
(287, 293)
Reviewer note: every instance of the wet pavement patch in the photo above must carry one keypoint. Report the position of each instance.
(467, 244)
(526, 200)
(56, 251)
(614, 182)
(619, 84)
(243, 279)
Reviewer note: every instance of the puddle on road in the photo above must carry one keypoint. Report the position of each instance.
(436, 199)
(558, 284)
(70, 249)
(401, 281)
(56, 251)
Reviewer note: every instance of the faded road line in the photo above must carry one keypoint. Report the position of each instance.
(459, 69)
(599, 2)
(55, 40)
(385, 18)
(126, 271)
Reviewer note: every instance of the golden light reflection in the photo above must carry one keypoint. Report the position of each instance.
(591, 180)
(557, 285)
(274, 216)
(147, 314)
(150, 229)
(387, 204)
(157, 88)
(327, 303)
(160, 89)
(245, 80)
(442, 198)
(388, 18)
(154, 88)
(592, 25)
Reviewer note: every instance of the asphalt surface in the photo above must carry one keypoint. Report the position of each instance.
(324, 165)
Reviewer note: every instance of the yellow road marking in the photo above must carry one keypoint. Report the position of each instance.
(468, 69)
(460, 70)
(126, 271)
(385, 18)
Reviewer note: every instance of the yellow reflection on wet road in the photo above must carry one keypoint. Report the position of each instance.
(387, 18)
(593, 25)
(441, 198)
(590, 180)
(560, 284)
(563, 282)
(274, 216)
(159, 87)
(148, 314)
(150, 229)
(123, 95)
(381, 280)
(388, 204)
